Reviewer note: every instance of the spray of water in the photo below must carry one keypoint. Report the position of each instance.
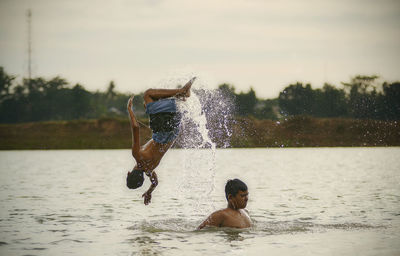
(206, 125)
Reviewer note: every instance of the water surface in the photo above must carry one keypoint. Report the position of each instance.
(309, 201)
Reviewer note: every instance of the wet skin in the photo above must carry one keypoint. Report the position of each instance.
(148, 156)
(234, 216)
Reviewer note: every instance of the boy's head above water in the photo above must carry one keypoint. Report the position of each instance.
(236, 194)
(234, 216)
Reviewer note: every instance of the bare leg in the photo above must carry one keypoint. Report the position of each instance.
(151, 95)
(155, 94)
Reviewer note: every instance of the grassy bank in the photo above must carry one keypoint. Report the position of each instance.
(314, 132)
(82, 134)
(115, 133)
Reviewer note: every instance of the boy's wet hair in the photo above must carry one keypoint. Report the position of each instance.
(134, 179)
(232, 187)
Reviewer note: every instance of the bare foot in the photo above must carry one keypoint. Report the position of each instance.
(185, 91)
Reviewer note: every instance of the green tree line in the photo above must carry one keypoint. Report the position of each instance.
(39, 99)
(361, 98)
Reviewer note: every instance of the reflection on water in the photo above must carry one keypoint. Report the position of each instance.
(302, 201)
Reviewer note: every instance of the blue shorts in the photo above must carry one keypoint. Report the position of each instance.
(164, 120)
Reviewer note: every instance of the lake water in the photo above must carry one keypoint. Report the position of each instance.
(303, 201)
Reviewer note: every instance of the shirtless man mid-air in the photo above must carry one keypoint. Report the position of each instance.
(165, 119)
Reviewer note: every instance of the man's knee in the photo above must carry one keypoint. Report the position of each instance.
(147, 96)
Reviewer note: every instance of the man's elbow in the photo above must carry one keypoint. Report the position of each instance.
(200, 227)
(135, 153)
(154, 183)
(135, 126)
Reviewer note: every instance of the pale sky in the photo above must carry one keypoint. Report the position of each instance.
(142, 43)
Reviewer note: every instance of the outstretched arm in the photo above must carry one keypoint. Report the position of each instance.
(134, 129)
(154, 183)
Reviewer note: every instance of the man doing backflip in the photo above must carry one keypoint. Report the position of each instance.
(164, 122)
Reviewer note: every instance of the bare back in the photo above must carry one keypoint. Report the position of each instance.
(150, 154)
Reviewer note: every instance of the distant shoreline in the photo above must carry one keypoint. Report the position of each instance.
(301, 131)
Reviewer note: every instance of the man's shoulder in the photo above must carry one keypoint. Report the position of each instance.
(229, 213)
(217, 217)
(221, 213)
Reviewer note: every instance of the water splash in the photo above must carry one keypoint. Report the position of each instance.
(206, 124)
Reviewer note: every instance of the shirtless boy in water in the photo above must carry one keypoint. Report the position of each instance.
(164, 122)
(234, 216)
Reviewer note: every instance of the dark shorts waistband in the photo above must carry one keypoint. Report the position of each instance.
(164, 120)
(161, 106)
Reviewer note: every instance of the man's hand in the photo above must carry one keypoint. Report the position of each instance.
(154, 183)
(147, 198)
(129, 105)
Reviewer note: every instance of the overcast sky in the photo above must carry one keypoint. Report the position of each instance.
(141, 43)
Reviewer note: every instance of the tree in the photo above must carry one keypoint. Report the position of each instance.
(246, 102)
(330, 102)
(390, 103)
(228, 90)
(110, 91)
(80, 102)
(362, 97)
(297, 99)
(6, 82)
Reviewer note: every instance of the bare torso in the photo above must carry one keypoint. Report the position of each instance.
(150, 155)
(235, 218)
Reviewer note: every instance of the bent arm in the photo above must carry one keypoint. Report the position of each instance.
(134, 129)
(154, 183)
(216, 219)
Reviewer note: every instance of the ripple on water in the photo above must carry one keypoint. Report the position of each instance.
(62, 241)
(305, 197)
(167, 225)
(302, 225)
(305, 226)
